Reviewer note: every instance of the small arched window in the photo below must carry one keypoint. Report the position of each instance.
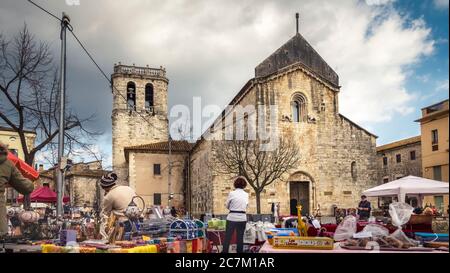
(299, 109)
(131, 96)
(353, 170)
(149, 103)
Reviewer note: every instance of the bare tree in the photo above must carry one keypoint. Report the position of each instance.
(29, 97)
(261, 168)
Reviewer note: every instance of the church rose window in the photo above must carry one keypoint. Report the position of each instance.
(299, 110)
(131, 96)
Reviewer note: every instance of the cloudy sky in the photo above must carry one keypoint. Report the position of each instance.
(391, 55)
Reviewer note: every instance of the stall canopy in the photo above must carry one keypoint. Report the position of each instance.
(26, 170)
(44, 195)
(409, 185)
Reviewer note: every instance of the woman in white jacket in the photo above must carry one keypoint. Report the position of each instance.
(237, 203)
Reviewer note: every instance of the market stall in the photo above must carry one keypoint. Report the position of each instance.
(409, 185)
(43, 195)
(254, 236)
(353, 236)
(267, 248)
(26, 170)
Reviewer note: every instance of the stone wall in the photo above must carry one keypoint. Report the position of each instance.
(130, 128)
(83, 189)
(407, 166)
(329, 143)
(202, 181)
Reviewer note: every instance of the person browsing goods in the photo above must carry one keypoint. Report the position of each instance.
(236, 203)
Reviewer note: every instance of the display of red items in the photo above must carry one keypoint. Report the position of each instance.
(43, 195)
(26, 170)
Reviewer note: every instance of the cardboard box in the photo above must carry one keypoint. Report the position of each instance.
(297, 242)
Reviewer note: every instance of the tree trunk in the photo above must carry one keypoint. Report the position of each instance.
(26, 199)
(258, 201)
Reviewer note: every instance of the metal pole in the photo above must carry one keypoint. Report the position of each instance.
(170, 170)
(297, 16)
(62, 78)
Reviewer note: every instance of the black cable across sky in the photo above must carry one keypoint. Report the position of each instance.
(114, 89)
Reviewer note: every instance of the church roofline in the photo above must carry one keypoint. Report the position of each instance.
(297, 49)
(300, 66)
(250, 83)
(357, 126)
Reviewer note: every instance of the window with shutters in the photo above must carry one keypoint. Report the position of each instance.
(437, 173)
(434, 140)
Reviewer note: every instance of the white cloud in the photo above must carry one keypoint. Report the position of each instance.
(99, 151)
(442, 85)
(441, 4)
(378, 2)
(210, 48)
(424, 78)
(218, 53)
(373, 68)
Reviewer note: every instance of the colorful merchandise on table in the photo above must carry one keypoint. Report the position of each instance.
(287, 239)
(201, 228)
(435, 237)
(217, 224)
(297, 242)
(183, 229)
(382, 242)
(282, 232)
(173, 247)
(144, 249)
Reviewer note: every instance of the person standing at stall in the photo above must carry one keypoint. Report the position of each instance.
(173, 212)
(236, 203)
(116, 200)
(364, 208)
(10, 175)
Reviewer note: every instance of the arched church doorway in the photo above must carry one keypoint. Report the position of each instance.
(301, 192)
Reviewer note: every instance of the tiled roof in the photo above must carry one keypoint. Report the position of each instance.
(296, 50)
(176, 146)
(86, 172)
(399, 143)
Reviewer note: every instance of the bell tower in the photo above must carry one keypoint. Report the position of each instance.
(139, 114)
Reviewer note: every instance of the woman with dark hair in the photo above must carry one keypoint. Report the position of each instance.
(237, 203)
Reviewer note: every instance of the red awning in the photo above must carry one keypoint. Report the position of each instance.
(43, 195)
(26, 170)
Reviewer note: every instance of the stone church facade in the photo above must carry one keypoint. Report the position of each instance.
(338, 157)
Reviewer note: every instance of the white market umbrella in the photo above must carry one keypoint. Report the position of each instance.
(409, 185)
